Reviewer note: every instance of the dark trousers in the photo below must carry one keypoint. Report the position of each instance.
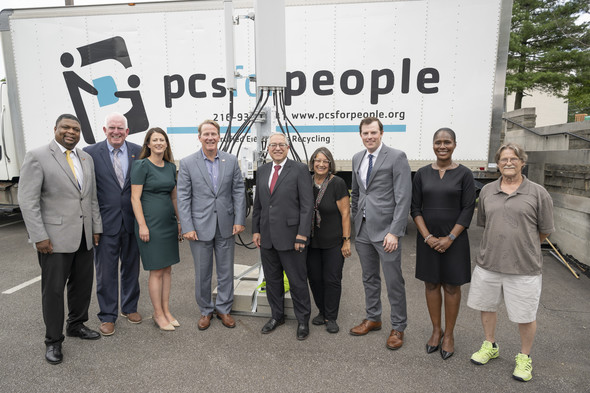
(111, 249)
(58, 270)
(293, 263)
(324, 270)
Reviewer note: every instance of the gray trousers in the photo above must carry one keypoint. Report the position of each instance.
(370, 254)
(224, 264)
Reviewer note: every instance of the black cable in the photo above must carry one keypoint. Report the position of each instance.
(231, 117)
(240, 129)
(244, 125)
(294, 153)
(282, 101)
(253, 120)
(247, 245)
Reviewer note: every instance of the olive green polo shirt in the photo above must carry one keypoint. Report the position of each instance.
(512, 223)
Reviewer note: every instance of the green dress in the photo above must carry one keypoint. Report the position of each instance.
(162, 249)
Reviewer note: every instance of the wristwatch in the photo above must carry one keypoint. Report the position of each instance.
(452, 237)
(345, 238)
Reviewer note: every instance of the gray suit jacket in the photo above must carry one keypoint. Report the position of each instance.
(386, 200)
(199, 207)
(52, 204)
(280, 217)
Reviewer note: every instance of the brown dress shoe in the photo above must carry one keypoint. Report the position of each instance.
(227, 320)
(107, 328)
(395, 340)
(133, 317)
(204, 322)
(365, 327)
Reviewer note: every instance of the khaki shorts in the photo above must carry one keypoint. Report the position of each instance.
(521, 293)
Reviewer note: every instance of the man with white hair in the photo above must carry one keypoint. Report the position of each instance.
(112, 163)
(281, 225)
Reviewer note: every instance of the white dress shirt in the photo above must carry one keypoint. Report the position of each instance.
(76, 162)
(365, 163)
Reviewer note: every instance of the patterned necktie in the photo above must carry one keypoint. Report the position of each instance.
(275, 176)
(118, 167)
(369, 169)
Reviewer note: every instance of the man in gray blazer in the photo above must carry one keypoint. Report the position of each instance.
(113, 158)
(381, 195)
(212, 208)
(57, 197)
(281, 225)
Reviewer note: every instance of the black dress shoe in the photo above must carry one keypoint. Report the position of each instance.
(319, 319)
(84, 333)
(332, 326)
(53, 354)
(302, 331)
(272, 324)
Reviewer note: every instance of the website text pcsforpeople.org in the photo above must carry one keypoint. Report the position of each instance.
(348, 115)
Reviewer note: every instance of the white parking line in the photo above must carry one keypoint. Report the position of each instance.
(21, 286)
(10, 223)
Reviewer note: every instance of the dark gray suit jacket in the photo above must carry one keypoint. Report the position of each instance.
(280, 217)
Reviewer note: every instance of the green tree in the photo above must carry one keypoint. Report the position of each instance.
(579, 94)
(548, 50)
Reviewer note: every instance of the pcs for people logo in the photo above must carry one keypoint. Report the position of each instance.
(104, 88)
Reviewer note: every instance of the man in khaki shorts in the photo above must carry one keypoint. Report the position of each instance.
(517, 216)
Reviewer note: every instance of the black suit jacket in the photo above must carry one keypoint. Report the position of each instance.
(280, 217)
(115, 203)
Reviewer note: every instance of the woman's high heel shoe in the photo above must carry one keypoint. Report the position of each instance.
(434, 348)
(167, 328)
(444, 354)
(174, 323)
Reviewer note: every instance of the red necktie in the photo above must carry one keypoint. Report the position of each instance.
(275, 176)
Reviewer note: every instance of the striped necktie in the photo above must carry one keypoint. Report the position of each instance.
(118, 168)
(369, 169)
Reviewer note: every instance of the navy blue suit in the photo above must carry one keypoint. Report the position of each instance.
(118, 239)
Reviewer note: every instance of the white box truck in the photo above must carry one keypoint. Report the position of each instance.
(418, 65)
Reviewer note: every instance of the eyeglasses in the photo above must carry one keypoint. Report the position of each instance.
(275, 145)
(322, 162)
(512, 160)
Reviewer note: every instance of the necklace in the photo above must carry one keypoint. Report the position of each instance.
(321, 181)
(441, 170)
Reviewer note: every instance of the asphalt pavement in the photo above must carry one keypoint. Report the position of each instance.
(141, 358)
